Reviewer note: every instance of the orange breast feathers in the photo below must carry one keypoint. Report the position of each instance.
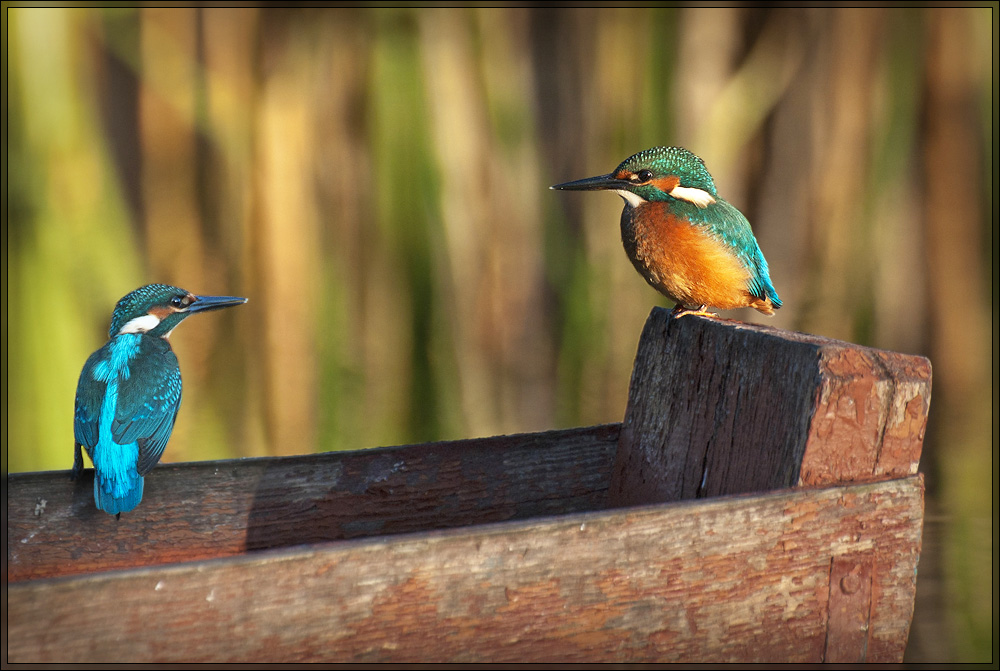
(685, 263)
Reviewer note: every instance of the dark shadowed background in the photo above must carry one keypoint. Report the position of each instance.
(376, 182)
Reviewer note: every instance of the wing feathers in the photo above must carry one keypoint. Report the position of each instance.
(148, 386)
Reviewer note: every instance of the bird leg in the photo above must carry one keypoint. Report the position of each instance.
(680, 310)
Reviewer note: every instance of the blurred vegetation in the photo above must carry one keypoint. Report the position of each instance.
(375, 180)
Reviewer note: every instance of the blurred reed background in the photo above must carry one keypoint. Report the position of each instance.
(375, 180)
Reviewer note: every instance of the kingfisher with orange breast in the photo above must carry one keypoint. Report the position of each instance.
(690, 244)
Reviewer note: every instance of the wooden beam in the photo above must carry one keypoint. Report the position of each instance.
(719, 407)
(223, 508)
(731, 579)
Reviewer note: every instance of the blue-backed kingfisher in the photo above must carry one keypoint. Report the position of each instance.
(690, 244)
(130, 390)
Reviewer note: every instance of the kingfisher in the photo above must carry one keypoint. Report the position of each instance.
(130, 390)
(683, 238)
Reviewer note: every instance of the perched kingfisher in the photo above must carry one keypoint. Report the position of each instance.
(130, 390)
(689, 244)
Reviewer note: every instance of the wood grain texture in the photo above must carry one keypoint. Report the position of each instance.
(741, 578)
(719, 407)
(222, 508)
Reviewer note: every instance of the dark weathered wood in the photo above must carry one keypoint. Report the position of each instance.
(742, 578)
(221, 508)
(720, 407)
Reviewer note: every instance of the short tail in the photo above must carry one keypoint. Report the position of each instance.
(765, 306)
(763, 296)
(767, 303)
(115, 505)
(773, 297)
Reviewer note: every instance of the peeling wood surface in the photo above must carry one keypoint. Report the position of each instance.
(222, 508)
(720, 407)
(742, 578)
(870, 416)
(849, 608)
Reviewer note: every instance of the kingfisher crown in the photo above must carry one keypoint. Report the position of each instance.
(662, 162)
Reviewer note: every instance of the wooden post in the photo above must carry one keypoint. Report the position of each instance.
(718, 407)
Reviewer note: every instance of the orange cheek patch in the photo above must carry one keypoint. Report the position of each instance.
(666, 184)
(161, 313)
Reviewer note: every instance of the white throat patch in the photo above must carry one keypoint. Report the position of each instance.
(630, 198)
(141, 324)
(697, 196)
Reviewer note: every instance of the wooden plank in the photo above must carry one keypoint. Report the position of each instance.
(731, 579)
(720, 407)
(223, 508)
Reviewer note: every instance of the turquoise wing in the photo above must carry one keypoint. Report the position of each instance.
(728, 224)
(89, 397)
(148, 401)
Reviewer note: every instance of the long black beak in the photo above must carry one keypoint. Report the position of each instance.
(205, 303)
(599, 183)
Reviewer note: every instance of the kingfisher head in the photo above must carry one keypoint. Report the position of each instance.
(657, 174)
(157, 309)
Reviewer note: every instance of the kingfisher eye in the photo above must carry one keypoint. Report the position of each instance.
(178, 301)
(644, 175)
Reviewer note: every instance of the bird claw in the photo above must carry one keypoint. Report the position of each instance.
(680, 310)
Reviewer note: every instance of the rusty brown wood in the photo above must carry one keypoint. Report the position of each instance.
(849, 609)
(719, 407)
(741, 578)
(223, 508)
